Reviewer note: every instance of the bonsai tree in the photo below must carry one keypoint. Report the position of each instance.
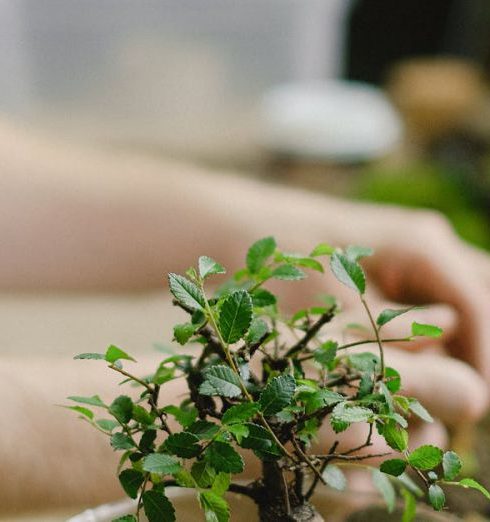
(274, 412)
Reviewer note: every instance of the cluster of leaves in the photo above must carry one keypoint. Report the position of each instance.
(274, 412)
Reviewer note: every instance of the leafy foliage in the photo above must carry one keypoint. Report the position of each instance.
(276, 414)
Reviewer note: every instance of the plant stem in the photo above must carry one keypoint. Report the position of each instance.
(311, 332)
(378, 339)
(132, 377)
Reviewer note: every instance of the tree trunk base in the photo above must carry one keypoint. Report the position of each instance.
(275, 513)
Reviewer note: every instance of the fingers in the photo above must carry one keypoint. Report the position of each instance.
(450, 389)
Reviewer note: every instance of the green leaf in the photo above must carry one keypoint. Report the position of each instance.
(215, 507)
(426, 330)
(107, 424)
(95, 400)
(393, 380)
(436, 497)
(125, 518)
(183, 444)
(131, 481)
(185, 416)
(186, 292)
(334, 477)
(348, 272)
(122, 409)
(221, 483)
(204, 430)
(240, 413)
(343, 412)
(425, 457)
(114, 354)
(409, 506)
(385, 487)
(258, 438)
(354, 253)
(257, 331)
(326, 353)
(223, 457)
(141, 415)
(158, 507)
(90, 356)
(395, 437)
(83, 411)
(419, 410)
(277, 394)
(203, 473)
(321, 398)
(208, 266)
(220, 380)
(161, 463)
(389, 314)
(120, 441)
(473, 484)
(394, 467)
(239, 431)
(185, 479)
(183, 332)
(235, 316)
(322, 249)
(338, 425)
(299, 260)
(262, 297)
(451, 464)
(288, 273)
(259, 253)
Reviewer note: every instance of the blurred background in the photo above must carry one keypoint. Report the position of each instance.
(377, 100)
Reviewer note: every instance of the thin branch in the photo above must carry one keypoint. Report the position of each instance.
(132, 377)
(378, 339)
(310, 333)
(306, 459)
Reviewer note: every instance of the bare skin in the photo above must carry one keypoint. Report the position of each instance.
(81, 219)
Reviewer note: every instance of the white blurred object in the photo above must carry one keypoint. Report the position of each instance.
(330, 121)
(183, 76)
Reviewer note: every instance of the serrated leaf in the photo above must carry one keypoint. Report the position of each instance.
(235, 316)
(395, 437)
(338, 425)
(320, 399)
(240, 413)
(122, 408)
(473, 484)
(221, 483)
(183, 444)
(288, 273)
(186, 292)
(185, 416)
(95, 400)
(334, 477)
(326, 353)
(393, 380)
(239, 431)
(394, 467)
(120, 441)
(348, 272)
(259, 253)
(419, 410)
(220, 380)
(426, 330)
(203, 473)
(183, 332)
(257, 331)
(131, 480)
(96, 356)
(185, 479)
(204, 430)
(262, 297)
(436, 497)
(299, 260)
(161, 463)
(277, 394)
(425, 457)
(385, 487)
(215, 507)
(258, 438)
(158, 507)
(223, 457)
(322, 249)
(125, 518)
(389, 314)
(354, 253)
(343, 412)
(208, 266)
(451, 464)
(114, 354)
(141, 415)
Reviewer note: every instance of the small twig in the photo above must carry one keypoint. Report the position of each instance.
(314, 484)
(310, 333)
(378, 339)
(132, 377)
(306, 459)
(286, 493)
